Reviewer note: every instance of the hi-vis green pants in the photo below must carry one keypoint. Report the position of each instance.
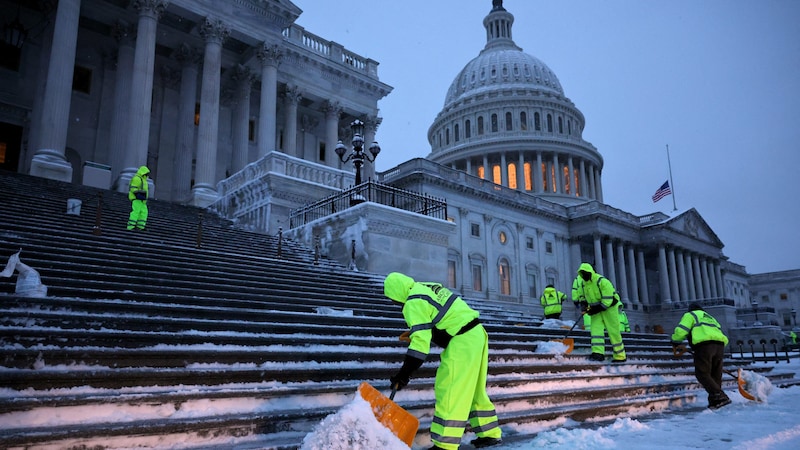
(460, 389)
(138, 216)
(607, 321)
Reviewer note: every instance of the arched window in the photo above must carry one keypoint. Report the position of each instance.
(494, 123)
(467, 130)
(455, 132)
(481, 172)
(480, 125)
(512, 176)
(527, 172)
(505, 277)
(560, 125)
(569, 127)
(496, 175)
(523, 121)
(447, 136)
(537, 122)
(549, 123)
(509, 126)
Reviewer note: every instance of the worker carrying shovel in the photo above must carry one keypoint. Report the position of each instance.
(435, 314)
(707, 342)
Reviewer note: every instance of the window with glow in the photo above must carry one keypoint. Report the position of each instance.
(481, 173)
(496, 176)
(502, 237)
(553, 178)
(527, 173)
(577, 182)
(477, 284)
(509, 125)
(523, 121)
(544, 177)
(467, 129)
(567, 184)
(494, 123)
(512, 176)
(505, 278)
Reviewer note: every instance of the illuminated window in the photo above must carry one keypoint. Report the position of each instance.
(477, 284)
(544, 177)
(505, 278)
(496, 174)
(553, 178)
(481, 173)
(567, 184)
(527, 172)
(577, 182)
(502, 237)
(196, 114)
(512, 176)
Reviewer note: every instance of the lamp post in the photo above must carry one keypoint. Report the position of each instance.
(755, 309)
(358, 155)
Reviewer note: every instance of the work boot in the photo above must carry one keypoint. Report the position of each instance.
(485, 442)
(717, 401)
(436, 447)
(597, 357)
(619, 361)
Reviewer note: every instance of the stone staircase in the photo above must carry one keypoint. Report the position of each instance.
(197, 331)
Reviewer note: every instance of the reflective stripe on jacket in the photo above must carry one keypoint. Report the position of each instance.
(699, 326)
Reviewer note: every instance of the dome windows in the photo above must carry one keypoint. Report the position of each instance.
(523, 121)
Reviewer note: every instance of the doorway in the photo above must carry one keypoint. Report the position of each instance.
(10, 146)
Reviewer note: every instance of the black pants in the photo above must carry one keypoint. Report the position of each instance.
(708, 365)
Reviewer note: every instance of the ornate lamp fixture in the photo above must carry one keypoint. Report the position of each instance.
(357, 155)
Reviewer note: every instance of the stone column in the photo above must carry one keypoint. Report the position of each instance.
(611, 271)
(332, 110)
(49, 161)
(704, 277)
(521, 181)
(189, 58)
(663, 275)
(698, 280)
(643, 288)
(124, 33)
(557, 175)
(681, 275)
(584, 188)
(204, 191)
(141, 89)
(712, 277)
(599, 185)
(592, 183)
(537, 174)
(241, 118)
(673, 274)
(370, 129)
(622, 282)
(487, 175)
(503, 170)
(270, 57)
(166, 132)
(690, 288)
(634, 284)
(598, 254)
(291, 98)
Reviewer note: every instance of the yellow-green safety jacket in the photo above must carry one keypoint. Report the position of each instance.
(551, 300)
(599, 289)
(139, 184)
(432, 312)
(699, 326)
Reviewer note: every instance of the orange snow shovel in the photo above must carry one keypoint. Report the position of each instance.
(399, 421)
(568, 341)
(740, 381)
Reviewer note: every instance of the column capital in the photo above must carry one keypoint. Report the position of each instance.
(187, 55)
(214, 30)
(150, 8)
(124, 33)
(242, 75)
(332, 109)
(371, 123)
(292, 95)
(270, 55)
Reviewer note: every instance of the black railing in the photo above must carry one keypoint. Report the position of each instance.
(370, 191)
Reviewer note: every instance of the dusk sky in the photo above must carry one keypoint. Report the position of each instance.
(718, 81)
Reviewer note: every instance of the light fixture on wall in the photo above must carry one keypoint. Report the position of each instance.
(14, 33)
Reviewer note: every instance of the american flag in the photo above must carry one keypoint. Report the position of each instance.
(662, 192)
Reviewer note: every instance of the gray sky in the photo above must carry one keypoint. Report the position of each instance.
(716, 80)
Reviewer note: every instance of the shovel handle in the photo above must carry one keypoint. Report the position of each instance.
(574, 325)
(394, 391)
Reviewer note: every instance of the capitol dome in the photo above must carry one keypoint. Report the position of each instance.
(505, 115)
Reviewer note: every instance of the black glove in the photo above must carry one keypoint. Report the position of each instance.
(595, 309)
(577, 305)
(584, 306)
(140, 195)
(400, 380)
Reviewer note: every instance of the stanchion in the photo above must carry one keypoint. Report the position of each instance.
(200, 229)
(98, 215)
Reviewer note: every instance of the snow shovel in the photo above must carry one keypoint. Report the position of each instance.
(399, 421)
(568, 341)
(740, 381)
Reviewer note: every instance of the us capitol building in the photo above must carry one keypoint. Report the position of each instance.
(235, 107)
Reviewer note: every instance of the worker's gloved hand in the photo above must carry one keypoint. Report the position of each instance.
(595, 309)
(400, 380)
(577, 305)
(584, 306)
(140, 195)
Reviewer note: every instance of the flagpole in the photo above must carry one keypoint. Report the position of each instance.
(669, 164)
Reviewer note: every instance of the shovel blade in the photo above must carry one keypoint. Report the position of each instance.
(399, 421)
(569, 342)
(742, 383)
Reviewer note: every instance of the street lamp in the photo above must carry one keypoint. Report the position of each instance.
(358, 155)
(755, 309)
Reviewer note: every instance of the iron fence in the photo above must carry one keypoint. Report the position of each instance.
(370, 191)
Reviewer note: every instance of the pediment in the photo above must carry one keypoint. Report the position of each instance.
(691, 223)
